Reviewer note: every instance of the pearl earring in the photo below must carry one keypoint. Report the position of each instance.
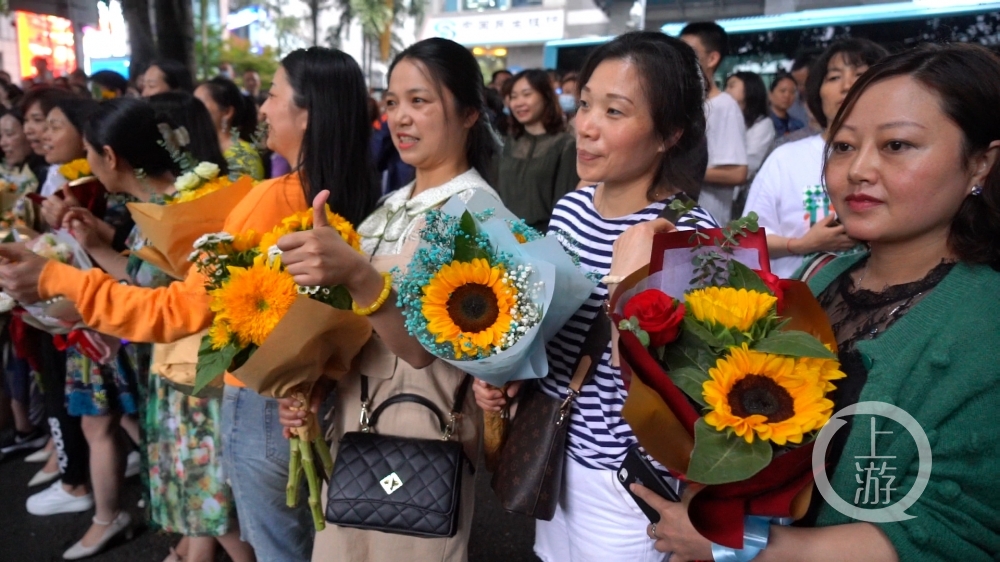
(977, 189)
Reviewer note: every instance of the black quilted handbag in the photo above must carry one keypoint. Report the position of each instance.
(399, 485)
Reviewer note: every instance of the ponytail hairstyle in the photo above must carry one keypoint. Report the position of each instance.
(130, 128)
(227, 95)
(335, 155)
(453, 67)
(671, 79)
(181, 109)
(966, 78)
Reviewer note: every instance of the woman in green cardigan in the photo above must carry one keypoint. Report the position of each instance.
(912, 170)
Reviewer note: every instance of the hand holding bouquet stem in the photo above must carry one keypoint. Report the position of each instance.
(302, 460)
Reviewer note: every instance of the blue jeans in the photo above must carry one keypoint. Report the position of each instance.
(255, 458)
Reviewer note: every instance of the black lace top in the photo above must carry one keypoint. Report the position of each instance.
(857, 315)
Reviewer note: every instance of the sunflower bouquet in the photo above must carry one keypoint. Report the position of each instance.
(202, 200)
(730, 372)
(75, 169)
(485, 292)
(275, 336)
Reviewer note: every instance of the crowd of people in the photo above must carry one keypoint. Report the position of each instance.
(889, 204)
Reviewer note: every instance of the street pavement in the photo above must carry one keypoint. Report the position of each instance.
(497, 536)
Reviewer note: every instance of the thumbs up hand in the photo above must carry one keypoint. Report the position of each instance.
(319, 256)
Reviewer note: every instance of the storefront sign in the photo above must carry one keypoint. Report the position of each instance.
(48, 37)
(500, 28)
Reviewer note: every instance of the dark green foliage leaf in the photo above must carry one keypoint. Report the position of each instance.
(742, 277)
(466, 248)
(690, 380)
(338, 297)
(723, 457)
(212, 363)
(696, 328)
(795, 344)
(689, 351)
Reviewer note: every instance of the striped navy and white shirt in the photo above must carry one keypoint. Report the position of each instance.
(598, 436)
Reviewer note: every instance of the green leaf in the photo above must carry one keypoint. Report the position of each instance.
(338, 297)
(690, 380)
(466, 248)
(689, 351)
(212, 363)
(643, 336)
(742, 277)
(795, 344)
(696, 328)
(721, 457)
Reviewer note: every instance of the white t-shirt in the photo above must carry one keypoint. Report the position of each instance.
(725, 132)
(788, 195)
(760, 137)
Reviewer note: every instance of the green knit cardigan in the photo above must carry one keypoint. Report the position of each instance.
(940, 362)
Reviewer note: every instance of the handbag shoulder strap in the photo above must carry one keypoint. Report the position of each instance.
(447, 423)
(599, 334)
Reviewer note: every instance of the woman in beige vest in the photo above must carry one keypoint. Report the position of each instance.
(435, 112)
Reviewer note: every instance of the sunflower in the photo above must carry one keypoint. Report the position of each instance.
(253, 300)
(770, 396)
(825, 369)
(75, 169)
(246, 241)
(304, 221)
(219, 335)
(729, 307)
(468, 304)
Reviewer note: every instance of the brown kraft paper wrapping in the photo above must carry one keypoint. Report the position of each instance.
(172, 229)
(312, 339)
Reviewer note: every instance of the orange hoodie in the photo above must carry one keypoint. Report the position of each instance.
(167, 314)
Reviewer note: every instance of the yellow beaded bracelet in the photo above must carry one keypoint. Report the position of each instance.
(384, 296)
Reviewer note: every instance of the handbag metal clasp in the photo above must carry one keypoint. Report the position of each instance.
(365, 417)
(567, 405)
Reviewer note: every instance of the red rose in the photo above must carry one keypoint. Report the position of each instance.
(774, 283)
(658, 314)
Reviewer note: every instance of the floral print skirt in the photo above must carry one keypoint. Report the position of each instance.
(93, 389)
(187, 486)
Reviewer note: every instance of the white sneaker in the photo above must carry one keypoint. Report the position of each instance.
(55, 499)
(133, 464)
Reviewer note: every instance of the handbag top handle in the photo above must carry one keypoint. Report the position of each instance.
(447, 423)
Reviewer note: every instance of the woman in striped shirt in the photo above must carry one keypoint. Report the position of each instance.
(640, 116)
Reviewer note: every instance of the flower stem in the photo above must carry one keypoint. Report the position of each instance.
(323, 450)
(313, 479)
(294, 473)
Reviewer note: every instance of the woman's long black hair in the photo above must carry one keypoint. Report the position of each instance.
(754, 96)
(129, 127)
(227, 95)
(452, 66)
(335, 152)
(184, 110)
